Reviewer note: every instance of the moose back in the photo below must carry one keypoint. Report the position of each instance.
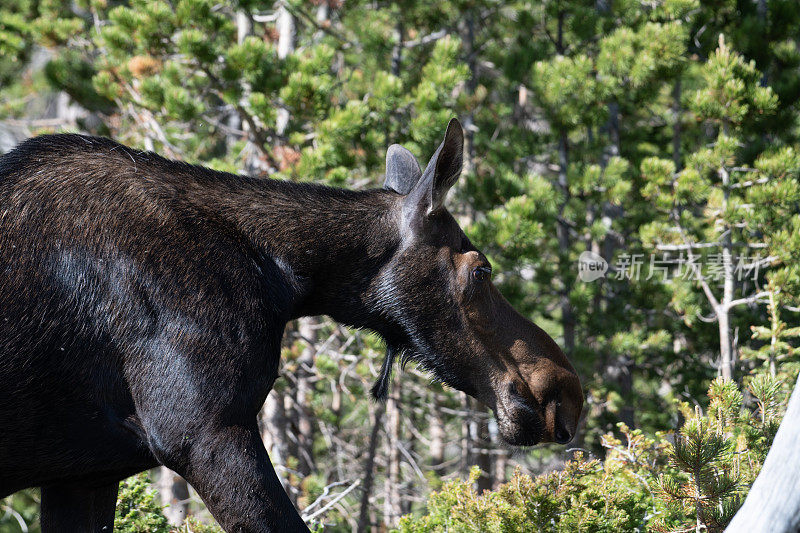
(142, 304)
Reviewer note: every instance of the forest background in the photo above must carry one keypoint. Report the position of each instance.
(657, 139)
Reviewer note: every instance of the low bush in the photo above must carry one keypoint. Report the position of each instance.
(694, 479)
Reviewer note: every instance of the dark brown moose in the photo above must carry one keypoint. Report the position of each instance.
(142, 304)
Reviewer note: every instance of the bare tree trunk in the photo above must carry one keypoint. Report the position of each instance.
(475, 443)
(286, 44)
(472, 83)
(773, 341)
(437, 433)
(676, 125)
(726, 358)
(613, 129)
(66, 111)
(174, 493)
(369, 469)
(562, 231)
(322, 16)
(467, 440)
(484, 457)
(500, 461)
(410, 446)
(621, 368)
(286, 31)
(303, 389)
(773, 503)
(244, 27)
(391, 505)
(723, 312)
(274, 432)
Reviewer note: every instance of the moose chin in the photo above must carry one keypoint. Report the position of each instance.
(143, 301)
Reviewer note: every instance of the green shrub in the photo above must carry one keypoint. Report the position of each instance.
(694, 479)
(138, 510)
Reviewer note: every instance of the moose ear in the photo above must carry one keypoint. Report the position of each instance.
(402, 170)
(442, 171)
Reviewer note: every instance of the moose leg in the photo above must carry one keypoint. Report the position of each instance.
(230, 469)
(72, 509)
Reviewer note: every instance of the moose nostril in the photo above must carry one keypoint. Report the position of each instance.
(562, 436)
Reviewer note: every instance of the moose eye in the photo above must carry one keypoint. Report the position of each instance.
(481, 273)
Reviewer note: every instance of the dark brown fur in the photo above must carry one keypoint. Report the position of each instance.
(142, 303)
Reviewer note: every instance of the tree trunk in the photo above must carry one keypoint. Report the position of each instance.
(437, 433)
(303, 391)
(500, 461)
(244, 27)
(391, 505)
(773, 341)
(322, 16)
(613, 129)
(562, 231)
(773, 503)
(369, 469)
(274, 432)
(472, 83)
(467, 441)
(286, 44)
(723, 313)
(174, 493)
(482, 449)
(676, 125)
(726, 358)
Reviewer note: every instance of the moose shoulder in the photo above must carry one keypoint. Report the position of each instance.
(142, 304)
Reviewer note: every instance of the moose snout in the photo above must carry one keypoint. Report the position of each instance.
(561, 418)
(541, 410)
(535, 392)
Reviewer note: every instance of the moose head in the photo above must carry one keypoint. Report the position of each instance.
(448, 316)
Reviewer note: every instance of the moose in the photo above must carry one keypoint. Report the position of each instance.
(143, 301)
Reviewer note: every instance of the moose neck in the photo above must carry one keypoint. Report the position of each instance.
(330, 244)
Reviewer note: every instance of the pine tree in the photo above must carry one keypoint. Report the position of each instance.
(717, 455)
(777, 337)
(709, 220)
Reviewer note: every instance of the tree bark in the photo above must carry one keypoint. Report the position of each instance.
(303, 391)
(467, 440)
(482, 449)
(726, 358)
(676, 125)
(286, 44)
(437, 433)
(244, 27)
(274, 432)
(723, 313)
(500, 461)
(475, 444)
(391, 504)
(369, 469)
(562, 231)
(174, 493)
